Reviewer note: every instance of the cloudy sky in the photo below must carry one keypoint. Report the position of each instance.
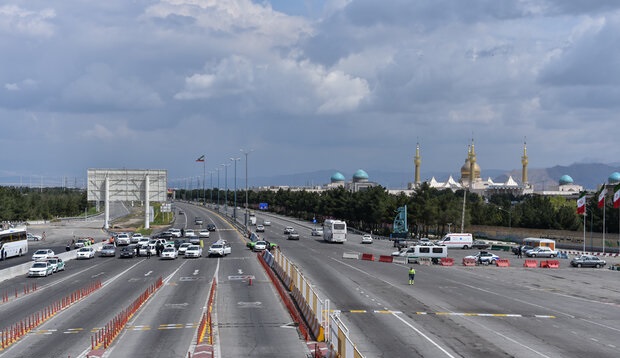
(307, 85)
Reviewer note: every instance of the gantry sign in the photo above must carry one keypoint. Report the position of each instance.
(144, 185)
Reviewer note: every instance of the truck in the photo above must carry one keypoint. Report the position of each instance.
(457, 240)
(252, 219)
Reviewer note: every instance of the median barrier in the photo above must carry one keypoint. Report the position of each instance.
(553, 263)
(385, 258)
(447, 261)
(530, 263)
(424, 261)
(502, 263)
(400, 260)
(351, 255)
(368, 257)
(469, 262)
(544, 264)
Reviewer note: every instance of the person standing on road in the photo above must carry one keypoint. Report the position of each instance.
(411, 275)
(520, 252)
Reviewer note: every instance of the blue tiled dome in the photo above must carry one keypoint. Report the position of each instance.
(336, 177)
(360, 175)
(566, 179)
(614, 178)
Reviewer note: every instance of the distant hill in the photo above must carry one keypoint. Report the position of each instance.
(589, 175)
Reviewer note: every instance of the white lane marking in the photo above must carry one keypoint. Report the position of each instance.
(240, 271)
(423, 335)
(196, 272)
(148, 273)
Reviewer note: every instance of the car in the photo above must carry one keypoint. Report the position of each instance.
(480, 245)
(32, 237)
(40, 269)
(211, 227)
(541, 251)
(193, 251)
(288, 230)
(203, 233)
(135, 238)
(484, 257)
(85, 253)
(194, 240)
(127, 251)
(267, 223)
(402, 243)
(144, 241)
(366, 239)
(164, 235)
(169, 253)
(260, 228)
(107, 250)
(524, 249)
(181, 212)
(220, 248)
(82, 243)
(57, 263)
(42, 254)
(293, 235)
(183, 247)
(175, 232)
(198, 220)
(260, 246)
(587, 261)
(189, 233)
(147, 248)
(123, 239)
(317, 231)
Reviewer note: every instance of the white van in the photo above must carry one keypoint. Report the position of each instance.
(457, 240)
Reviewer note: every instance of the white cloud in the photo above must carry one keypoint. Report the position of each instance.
(17, 20)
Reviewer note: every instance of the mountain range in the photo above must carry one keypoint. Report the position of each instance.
(588, 175)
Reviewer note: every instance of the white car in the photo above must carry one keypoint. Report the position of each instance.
(169, 253)
(33, 237)
(190, 233)
(183, 247)
(146, 248)
(193, 251)
(541, 251)
(135, 238)
(220, 248)
(366, 239)
(260, 246)
(144, 240)
(175, 232)
(122, 239)
(87, 252)
(40, 268)
(317, 231)
(267, 223)
(43, 254)
(203, 233)
(288, 230)
(260, 228)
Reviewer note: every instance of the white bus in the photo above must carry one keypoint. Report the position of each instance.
(334, 231)
(13, 242)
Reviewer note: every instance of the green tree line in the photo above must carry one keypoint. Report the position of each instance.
(21, 204)
(429, 211)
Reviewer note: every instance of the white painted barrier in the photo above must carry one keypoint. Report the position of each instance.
(400, 260)
(351, 255)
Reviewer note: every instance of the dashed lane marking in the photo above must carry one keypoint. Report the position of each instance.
(467, 314)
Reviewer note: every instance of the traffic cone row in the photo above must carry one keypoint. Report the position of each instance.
(17, 330)
(28, 288)
(206, 323)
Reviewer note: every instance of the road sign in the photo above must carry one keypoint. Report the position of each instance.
(263, 206)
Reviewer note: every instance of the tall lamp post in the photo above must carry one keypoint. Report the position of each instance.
(509, 216)
(246, 152)
(226, 186)
(235, 160)
(218, 188)
(211, 172)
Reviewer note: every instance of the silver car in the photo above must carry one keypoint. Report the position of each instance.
(107, 250)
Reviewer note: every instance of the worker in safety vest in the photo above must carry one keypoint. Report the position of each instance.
(411, 275)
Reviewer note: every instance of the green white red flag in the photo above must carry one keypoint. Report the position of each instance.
(617, 196)
(581, 204)
(601, 197)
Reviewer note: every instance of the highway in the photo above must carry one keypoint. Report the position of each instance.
(450, 311)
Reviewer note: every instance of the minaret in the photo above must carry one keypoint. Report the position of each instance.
(524, 162)
(472, 163)
(417, 160)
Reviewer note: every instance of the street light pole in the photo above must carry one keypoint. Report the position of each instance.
(218, 188)
(211, 200)
(235, 160)
(226, 186)
(246, 152)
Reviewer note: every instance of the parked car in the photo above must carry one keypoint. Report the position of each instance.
(40, 269)
(57, 263)
(183, 247)
(402, 243)
(587, 261)
(169, 253)
(484, 257)
(211, 227)
(480, 245)
(127, 251)
(85, 253)
(260, 228)
(43, 254)
(288, 230)
(108, 250)
(293, 235)
(122, 239)
(541, 251)
(135, 238)
(366, 239)
(144, 249)
(203, 233)
(194, 240)
(524, 249)
(32, 237)
(190, 233)
(317, 231)
(175, 232)
(193, 251)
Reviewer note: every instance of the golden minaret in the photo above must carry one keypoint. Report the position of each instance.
(417, 161)
(524, 162)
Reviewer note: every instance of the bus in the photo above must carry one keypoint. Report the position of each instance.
(334, 231)
(13, 242)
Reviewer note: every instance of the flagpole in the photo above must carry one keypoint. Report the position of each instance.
(584, 232)
(204, 175)
(604, 226)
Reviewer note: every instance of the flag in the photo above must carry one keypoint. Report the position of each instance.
(617, 196)
(201, 158)
(601, 197)
(581, 204)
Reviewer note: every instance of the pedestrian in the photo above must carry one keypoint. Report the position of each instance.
(148, 251)
(411, 275)
(520, 254)
(43, 236)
